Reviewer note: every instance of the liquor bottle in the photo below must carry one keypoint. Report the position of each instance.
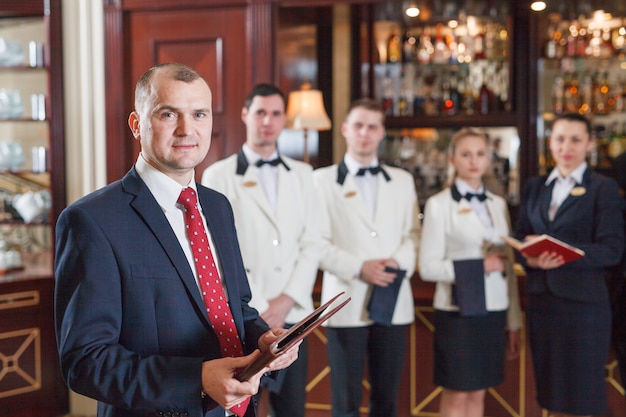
(419, 97)
(570, 48)
(571, 99)
(387, 102)
(403, 106)
(479, 46)
(469, 99)
(601, 93)
(432, 94)
(394, 47)
(455, 95)
(425, 49)
(586, 95)
(485, 98)
(607, 49)
(615, 143)
(409, 45)
(557, 94)
(594, 44)
(441, 53)
(453, 47)
(582, 39)
(552, 41)
(446, 101)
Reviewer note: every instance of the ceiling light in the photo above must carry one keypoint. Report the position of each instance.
(412, 11)
(538, 6)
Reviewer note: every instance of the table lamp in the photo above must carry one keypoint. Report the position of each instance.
(305, 110)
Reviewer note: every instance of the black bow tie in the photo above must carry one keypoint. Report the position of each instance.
(272, 162)
(373, 170)
(480, 197)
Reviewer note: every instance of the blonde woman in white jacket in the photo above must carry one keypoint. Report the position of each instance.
(476, 298)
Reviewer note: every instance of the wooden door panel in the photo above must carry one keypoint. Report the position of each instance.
(213, 43)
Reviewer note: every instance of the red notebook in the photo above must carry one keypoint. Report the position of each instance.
(288, 339)
(545, 243)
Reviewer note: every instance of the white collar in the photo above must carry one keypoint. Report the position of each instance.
(465, 188)
(253, 157)
(576, 174)
(164, 189)
(353, 165)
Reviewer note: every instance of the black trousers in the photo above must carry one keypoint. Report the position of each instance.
(349, 349)
(288, 397)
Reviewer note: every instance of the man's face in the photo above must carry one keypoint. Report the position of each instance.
(264, 120)
(363, 130)
(175, 127)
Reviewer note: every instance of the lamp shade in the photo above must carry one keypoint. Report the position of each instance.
(305, 110)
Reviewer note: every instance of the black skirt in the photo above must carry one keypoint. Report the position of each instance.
(569, 343)
(469, 351)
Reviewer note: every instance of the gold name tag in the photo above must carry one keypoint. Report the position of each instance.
(249, 184)
(350, 194)
(578, 191)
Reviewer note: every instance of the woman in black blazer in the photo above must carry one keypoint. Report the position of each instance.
(569, 316)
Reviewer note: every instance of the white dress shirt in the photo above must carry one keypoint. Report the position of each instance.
(367, 184)
(267, 174)
(166, 192)
(563, 186)
(479, 207)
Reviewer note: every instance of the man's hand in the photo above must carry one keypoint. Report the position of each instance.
(277, 311)
(283, 360)
(373, 271)
(219, 383)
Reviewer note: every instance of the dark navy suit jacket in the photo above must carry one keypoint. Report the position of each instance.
(590, 218)
(131, 325)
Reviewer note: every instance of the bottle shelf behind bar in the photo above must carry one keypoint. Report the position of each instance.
(583, 70)
(444, 67)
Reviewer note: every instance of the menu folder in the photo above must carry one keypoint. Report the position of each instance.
(545, 243)
(383, 299)
(296, 333)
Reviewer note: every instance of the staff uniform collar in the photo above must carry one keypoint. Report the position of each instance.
(253, 157)
(353, 166)
(164, 189)
(464, 188)
(576, 174)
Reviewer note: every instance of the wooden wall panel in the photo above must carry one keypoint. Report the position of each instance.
(229, 43)
(213, 43)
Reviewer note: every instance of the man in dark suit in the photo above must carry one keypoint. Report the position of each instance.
(132, 326)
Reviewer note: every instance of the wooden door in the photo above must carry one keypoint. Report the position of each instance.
(213, 43)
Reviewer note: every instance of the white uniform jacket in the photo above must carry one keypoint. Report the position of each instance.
(451, 232)
(280, 249)
(352, 237)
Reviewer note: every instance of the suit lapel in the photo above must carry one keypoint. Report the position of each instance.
(251, 185)
(148, 209)
(543, 200)
(351, 197)
(572, 198)
(496, 219)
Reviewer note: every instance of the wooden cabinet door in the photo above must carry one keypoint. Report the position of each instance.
(213, 43)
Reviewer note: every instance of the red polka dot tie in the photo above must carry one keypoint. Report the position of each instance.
(215, 301)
